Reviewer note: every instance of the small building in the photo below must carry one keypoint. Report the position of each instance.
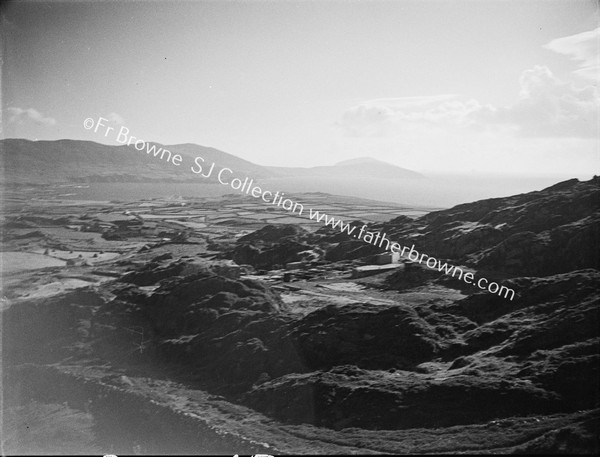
(387, 257)
(369, 270)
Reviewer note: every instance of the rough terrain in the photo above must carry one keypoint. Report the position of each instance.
(202, 326)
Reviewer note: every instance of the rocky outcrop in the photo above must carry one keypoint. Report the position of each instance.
(274, 233)
(366, 335)
(538, 233)
(156, 270)
(348, 250)
(272, 256)
(376, 367)
(350, 397)
(413, 350)
(274, 246)
(563, 248)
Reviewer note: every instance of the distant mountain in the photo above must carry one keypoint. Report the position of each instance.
(360, 161)
(72, 160)
(369, 167)
(86, 161)
(364, 167)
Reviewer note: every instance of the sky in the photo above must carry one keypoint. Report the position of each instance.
(458, 86)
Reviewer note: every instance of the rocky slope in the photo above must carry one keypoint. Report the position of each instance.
(554, 230)
(356, 365)
(400, 362)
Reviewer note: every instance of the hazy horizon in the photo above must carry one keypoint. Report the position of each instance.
(535, 178)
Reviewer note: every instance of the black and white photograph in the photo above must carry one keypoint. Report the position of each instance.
(299, 227)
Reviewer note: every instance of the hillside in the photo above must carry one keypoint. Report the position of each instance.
(211, 329)
(551, 231)
(38, 162)
(72, 160)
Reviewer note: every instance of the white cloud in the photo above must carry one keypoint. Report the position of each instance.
(21, 116)
(116, 118)
(368, 119)
(380, 118)
(546, 108)
(583, 47)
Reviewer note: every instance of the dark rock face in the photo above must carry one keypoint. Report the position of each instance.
(240, 322)
(47, 331)
(384, 361)
(155, 271)
(274, 246)
(538, 233)
(436, 364)
(563, 248)
(536, 355)
(349, 250)
(366, 335)
(350, 397)
(205, 321)
(214, 290)
(572, 371)
(235, 349)
(566, 291)
(334, 235)
(274, 233)
(269, 257)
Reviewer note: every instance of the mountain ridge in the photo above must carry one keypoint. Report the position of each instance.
(88, 161)
(543, 232)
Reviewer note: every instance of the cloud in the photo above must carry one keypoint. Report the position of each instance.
(116, 118)
(388, 117)
(21, 116)
(546, 108)
(583, 47)
(368, 119)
